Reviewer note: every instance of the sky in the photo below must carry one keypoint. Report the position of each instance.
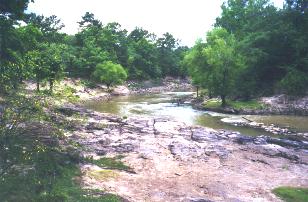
(186, 20)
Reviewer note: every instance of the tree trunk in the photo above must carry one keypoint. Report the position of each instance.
(37, 84)
(51, 85)
(223, 100)
(223, 97)
(197, 91)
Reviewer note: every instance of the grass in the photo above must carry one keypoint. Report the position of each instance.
(212, 104)
(37, 169)
(238, 105)
(292, 194)
(102, 174)
(56, 178)
(111, 163)
(251, 104)
(67, 188)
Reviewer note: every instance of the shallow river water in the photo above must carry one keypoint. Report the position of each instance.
(164, 105)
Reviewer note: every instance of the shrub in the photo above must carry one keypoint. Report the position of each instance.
(110, 73)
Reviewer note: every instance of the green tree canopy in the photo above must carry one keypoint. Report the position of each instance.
(109, 73)
(215, 64)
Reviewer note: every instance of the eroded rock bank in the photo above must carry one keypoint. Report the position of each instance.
(167, 84)
(177, 162)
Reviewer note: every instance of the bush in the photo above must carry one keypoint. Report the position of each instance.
(110, 73)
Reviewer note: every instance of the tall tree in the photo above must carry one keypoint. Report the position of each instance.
(272, 41)
(216, 63)
(224, 62)
(196, 63)
(10, 58)
(167, 58)
(49, 26)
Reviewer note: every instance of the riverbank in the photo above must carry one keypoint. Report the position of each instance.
(158, 159)
(81, 90)
(173, 161)
(275, 105)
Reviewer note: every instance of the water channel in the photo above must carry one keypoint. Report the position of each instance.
(164, 105)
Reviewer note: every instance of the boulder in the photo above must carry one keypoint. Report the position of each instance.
(121, 90)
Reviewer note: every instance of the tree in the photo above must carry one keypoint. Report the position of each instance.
(109, 73)
(138, 33)
(13, 9)
(166, 56)
(49, 26)
(10, 46)
(143, 55)
(35, 63)
(197, 65)
(272, 41)
(53, 61)
(89, 20)
(180, 53)
(224, 62)
(215, 64)
(46, 63)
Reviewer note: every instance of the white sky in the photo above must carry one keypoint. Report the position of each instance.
(186, 20)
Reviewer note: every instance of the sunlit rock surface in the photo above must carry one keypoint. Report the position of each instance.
(173, 161)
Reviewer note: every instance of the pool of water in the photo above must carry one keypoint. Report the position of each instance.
(165, 105)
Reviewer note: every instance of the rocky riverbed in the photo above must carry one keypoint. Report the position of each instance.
(172, 161)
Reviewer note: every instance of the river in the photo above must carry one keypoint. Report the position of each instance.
(164, 105)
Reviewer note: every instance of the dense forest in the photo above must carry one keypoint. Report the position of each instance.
(39, 51)
(255, 49)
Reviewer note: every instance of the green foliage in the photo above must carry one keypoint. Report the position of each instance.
(67, 93)
(295, 82)
(109, 73)
(292, 194)
(274, 52)
(168, 62)
(197, 64)
(215, 64)
(139, 52)
(66, 189)
(224, 62)
(52, 58)
(32, 51)
(143, 57)
(14, 9)
(32, 165)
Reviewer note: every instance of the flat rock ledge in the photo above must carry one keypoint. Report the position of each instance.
(176, 162)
